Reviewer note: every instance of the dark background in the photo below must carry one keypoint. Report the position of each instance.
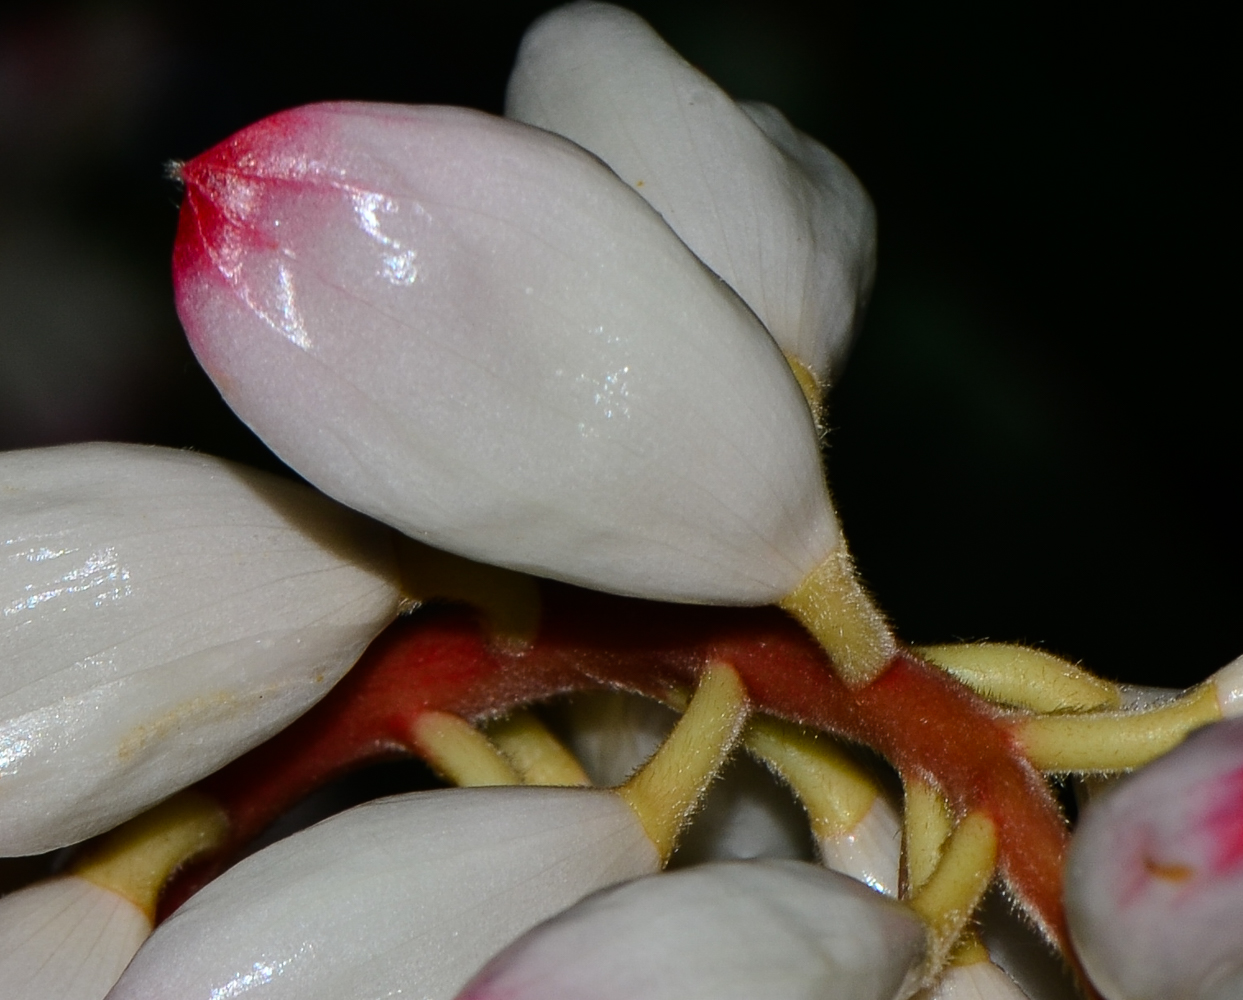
(1033, 439)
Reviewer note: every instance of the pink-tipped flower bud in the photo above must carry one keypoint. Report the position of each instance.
(472, 330)
(1154, 883)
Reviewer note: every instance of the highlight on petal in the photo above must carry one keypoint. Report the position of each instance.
(402, 896)
(769, 209)
(981, 980)
(66, 938)
(1154, 881)
(784, 930)
(472, 330)
(871, 850)
(162, 612)
(1228, 682)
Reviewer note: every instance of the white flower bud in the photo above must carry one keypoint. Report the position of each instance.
(1154, 881)
(784, 930)
(769, 209)
(162, 612)
(474, 331)
(404, 896)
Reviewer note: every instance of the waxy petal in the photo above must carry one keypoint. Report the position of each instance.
(1154, 882)
(769, 209)
(613, 733)
(784, 930)
(746, 814)
(871, 850)
(977, 981)
(161, 613)
(67, 939)
(404, 896)
(472, 330)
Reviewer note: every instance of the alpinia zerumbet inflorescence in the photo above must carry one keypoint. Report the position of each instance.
(593, 351)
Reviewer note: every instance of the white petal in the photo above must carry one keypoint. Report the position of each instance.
(746, 814)
(1154, 882)
(978, 981)
(1229, 684)
(162, 612)
(871, 850)
(770, 210)
(782, 930)
(472, 330)
(613, 733)
(66, 938)
(401, 897)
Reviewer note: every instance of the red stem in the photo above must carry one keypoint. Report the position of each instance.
(925, 723)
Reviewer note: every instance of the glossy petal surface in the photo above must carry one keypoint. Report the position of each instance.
(769, 209)
(871, 850)
(162, 612)
(401, 897)
(472, 330)
(67, 939)
(1154, 883)
(783, 930)
(978, 981)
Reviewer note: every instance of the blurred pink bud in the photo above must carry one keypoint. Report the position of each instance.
(1154, 883)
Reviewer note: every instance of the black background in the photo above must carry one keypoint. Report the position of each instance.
(1035, 434)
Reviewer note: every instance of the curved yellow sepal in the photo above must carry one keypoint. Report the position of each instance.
(949, 897)
(927, 823)
(813, 392)
(138, 857)
(1115, 741)
(833, 606)
(537, 755)
(1023, 677)
(665, 791)
(460, 753)
(835, 791)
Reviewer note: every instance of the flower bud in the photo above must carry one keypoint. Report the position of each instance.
(1154, 882)
(472, 330)
(402, 896)
(780, 218)
(785, 930)
(161, 613)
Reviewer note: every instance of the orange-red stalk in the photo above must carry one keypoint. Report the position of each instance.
(923, 721)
